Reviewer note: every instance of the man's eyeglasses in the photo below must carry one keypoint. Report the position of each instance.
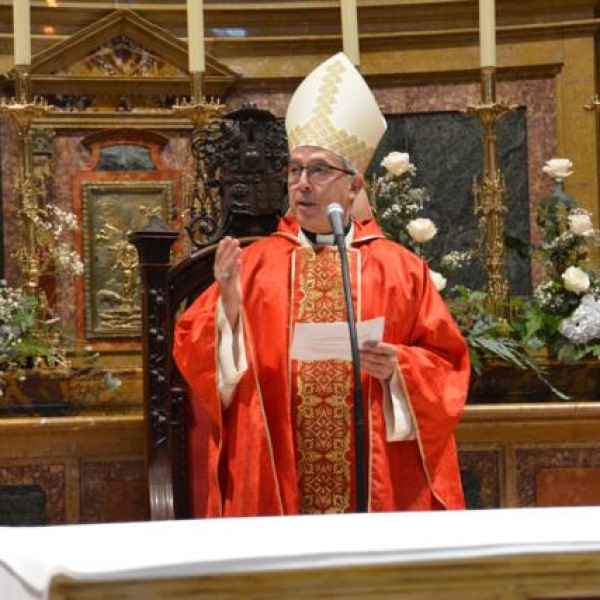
(315, 172)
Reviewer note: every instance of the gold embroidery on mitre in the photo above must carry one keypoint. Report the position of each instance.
(323, 410)
(319, 129)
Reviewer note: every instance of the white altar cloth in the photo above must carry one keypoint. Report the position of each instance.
(30, 558)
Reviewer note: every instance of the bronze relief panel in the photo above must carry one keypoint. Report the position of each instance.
(111, 210)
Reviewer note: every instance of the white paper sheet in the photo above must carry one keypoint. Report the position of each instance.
(324, 341)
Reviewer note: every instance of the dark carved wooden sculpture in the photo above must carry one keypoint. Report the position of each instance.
(240, 183)
(245, 166)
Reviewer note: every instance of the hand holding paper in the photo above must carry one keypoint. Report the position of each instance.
(324, 341)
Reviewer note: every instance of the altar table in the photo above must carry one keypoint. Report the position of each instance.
(504, 554)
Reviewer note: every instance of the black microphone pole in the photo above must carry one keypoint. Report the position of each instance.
(335, 214)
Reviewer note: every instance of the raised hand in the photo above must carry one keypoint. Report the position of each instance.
(227, 271)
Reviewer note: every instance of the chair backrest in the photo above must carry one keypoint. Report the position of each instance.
(240, 185)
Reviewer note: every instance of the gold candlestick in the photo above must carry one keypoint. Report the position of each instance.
(200, 111)
(490, 193)
(27, 189)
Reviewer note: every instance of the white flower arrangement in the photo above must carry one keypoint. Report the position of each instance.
(398, 204)
(562, 312)
(583, 326)
(398, 163)
(456, 260)
(55, 228)
(31, 336)
(580, 223)
(23, 333)
(562, 315)
(421, 230)
(29, 339)
(576, 280)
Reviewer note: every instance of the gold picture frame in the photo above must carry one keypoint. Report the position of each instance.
(110, 211)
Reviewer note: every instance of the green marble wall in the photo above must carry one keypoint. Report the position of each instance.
(446, 149)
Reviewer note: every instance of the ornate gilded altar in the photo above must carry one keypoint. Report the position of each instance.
(510, 454)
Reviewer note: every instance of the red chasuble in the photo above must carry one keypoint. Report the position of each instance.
(285, 444)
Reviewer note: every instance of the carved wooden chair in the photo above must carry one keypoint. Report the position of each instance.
(242, 159)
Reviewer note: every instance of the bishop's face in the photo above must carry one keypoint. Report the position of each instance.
(316, 178)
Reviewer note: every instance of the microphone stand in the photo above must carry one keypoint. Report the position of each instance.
(359, 445)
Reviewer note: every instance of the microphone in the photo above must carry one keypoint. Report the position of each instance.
(335, 214)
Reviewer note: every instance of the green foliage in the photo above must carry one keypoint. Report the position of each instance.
(27, 334)
(539, 326)
(490, 338)
(31, 338)
(571, 353)
(487, 336)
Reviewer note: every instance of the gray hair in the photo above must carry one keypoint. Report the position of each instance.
(349, 167)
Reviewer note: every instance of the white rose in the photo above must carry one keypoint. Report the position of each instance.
(558, 168)
(396, 163)
(438, 280)
(576, 280)
(421, 230)
(581, 224)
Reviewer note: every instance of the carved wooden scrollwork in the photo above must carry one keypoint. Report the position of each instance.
(240, 183)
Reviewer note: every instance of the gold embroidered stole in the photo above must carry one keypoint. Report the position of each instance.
(322, 394)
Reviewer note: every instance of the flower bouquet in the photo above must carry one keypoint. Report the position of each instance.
(563, 316)
(32, 337)
(397, 206)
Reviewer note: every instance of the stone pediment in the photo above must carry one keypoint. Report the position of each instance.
(122, 54)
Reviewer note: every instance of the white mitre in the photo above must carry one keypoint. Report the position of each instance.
(333, 108)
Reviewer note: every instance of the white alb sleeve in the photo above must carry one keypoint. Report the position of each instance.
(398, 418)
(229, 372)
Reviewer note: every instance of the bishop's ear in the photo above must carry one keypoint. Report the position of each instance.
(361, 209)
(358, 182)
